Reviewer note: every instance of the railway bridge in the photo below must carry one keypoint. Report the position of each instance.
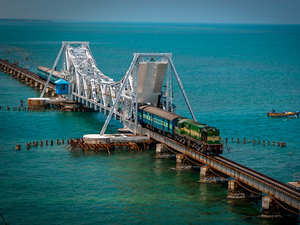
(149, 79)
(119, 99)
(143, 82)
(26, 76)
(279, 200)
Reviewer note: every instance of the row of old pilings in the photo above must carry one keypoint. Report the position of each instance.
(26, 76)
(264, 143)
(8, 108)
(41, 109)
(237, 190)
(75, 144)
(41, 143)
(89, 145)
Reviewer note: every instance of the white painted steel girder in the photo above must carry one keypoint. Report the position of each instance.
(129, 88)
(89, 85)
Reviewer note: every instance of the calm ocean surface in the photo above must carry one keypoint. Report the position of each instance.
(232, 74)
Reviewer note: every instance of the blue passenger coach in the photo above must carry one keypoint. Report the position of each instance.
(44, 73)
(158, 119)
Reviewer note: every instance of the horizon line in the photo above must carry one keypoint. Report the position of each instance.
(138, 22)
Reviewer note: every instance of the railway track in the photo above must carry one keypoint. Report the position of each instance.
(266, 184)
(260, 176)
(25, 72)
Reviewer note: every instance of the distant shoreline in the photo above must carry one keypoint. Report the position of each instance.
(142, 23)
(24, 20)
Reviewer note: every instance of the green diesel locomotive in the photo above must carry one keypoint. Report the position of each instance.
(200, 137)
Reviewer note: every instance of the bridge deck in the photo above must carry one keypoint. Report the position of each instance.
(262, 182)
(266, 184)
(24, 72)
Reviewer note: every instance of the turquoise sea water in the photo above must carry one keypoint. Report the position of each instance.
(232, 74)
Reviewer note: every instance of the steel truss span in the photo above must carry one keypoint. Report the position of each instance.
(143, 83)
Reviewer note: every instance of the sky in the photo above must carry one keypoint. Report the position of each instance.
(156, 11)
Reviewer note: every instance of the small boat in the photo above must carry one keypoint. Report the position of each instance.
(283, 114)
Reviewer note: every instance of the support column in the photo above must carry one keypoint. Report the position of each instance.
(238, 191)
(32, 83)
(16, 75)
(207, 176)
(162, 152)
(27, 80)
(23, 78)
(272, 208)
(183, 164)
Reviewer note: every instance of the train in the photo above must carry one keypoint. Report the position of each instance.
(44, 72)
(202, 138)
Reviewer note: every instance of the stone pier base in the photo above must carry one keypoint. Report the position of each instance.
(162, 152)
(237, 191)
(272, 208)
(183, 164)
(207, 176)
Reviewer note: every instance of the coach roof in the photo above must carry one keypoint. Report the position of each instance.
(159, 112)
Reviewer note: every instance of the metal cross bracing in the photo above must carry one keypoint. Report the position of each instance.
(143, 83)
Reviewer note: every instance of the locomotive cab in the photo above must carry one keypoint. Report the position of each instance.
(211, 140)
(204, 137)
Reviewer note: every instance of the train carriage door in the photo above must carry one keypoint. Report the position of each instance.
(188, 129)
(204, 137)
(146, 119)
(151, 122)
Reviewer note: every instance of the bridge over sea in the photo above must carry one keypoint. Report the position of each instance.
(149, 79)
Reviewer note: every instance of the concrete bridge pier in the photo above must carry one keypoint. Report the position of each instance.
(32, 83)
(36, 84)
(182, 163)
(207, 175)
(274, 209)
(27, 80)
(163, 152)
(49, 90)
(22, 78)
(236, 190)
